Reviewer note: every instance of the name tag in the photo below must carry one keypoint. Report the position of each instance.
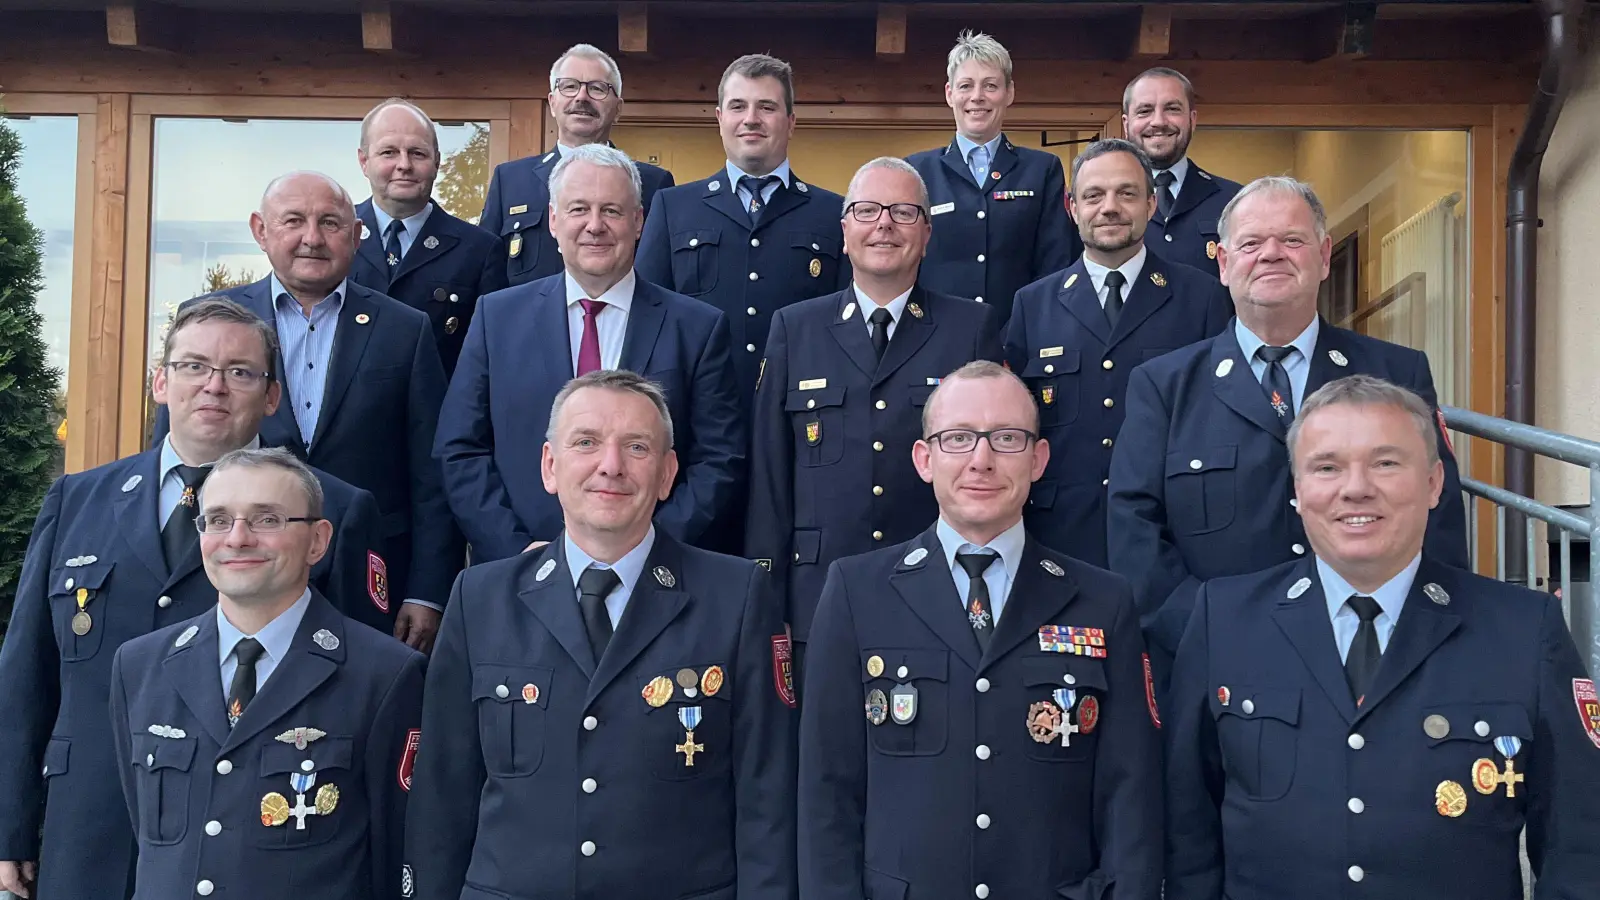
(517, 210)
(1047, 352)
(813, 384)
(941, 209)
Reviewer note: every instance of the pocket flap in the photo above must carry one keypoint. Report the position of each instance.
(905, 666)
(1497, 719)
(1207, 227)
(57, 754)
(1065, 670)
(325, 753)
(1043, 494)
(92, 576)
(533, 218)
(1246, 702)
(880, 886)
(691, 240)
(1065, 364)
(511, 684)
(807, 545)
(800, 401)
(921, 392)
(817, 243)
(155, 752)
(1206, 459)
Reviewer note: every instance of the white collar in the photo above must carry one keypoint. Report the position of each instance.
(1130, 271)
(1249, 342)
(1180, 171)
(619, 295)
(413, 223)
(782, 171)
(170, 459)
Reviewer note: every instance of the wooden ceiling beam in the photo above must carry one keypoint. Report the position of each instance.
(139, 25)
(1356, 29)
(1155, 31)
(633, 28)
(390, 28)
(891, 39)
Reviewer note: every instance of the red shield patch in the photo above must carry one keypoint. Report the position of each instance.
(408, 759)
(783, 667)
(1583, 694)
(1444, 432)
(1150, 692)
(378, 581)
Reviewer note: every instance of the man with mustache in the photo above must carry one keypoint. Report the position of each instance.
(114, 556)
(977, 721)
(1200, 483)
(265, 746)
(585, 100)
(999, 211)
(1075, 336)
(362, 383)
(842, 392)
(1158, 115)
(411, 249)
(528, 341)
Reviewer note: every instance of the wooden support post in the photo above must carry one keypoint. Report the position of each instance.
(891, 32)
(1155, 31)
(389, 28)
(1355, 31)
(142, 26)
(633, 29)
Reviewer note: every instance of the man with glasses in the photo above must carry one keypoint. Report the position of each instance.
(841, 395)
(585, 100)
(977, 718)
(266, 745)
(115, 555)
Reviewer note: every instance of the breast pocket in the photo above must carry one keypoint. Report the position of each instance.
(1065, 695)
(162, 768)
(818, 256)
(1471, 752)
(1054, 383)
(1258, 730)
(79, 626)
(306, 792)
(907, 700)
(1201, 489)
(818, 420)
(692, 731)
(524, 239)
(511, 703)
(694, 260)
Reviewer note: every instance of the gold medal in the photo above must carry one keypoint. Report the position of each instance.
(1485, 776)
(274, 810)
(816, 267)
(1211, 249)
(1450, 799)
(688, 678)
(658, 691)
(875, 666)
(327, 799)
(1044, 721)
(1158, 279)
(81, 623)
(711, 681)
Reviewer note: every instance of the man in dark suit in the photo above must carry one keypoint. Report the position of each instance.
(1009, 743)
(842, 393)
(752, 238)
(585, 100)
(529, 341)
(1370, 721)
(1158, 115)
(115, 555)
(612, 716)
(1200, 483)
(362, 384)
(221, 719)
(1075, 336)
(999, 211)
(411, 249)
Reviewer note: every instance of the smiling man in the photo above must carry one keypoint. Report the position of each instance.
(842, 393)
(998, 210)
(1369, 721)
(977, 720)
(1200, 485)
(528, 341)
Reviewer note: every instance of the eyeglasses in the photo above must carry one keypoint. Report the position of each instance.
(191, 372)
(597, 90)
(900, 213)
(965, 440)
(260, 523)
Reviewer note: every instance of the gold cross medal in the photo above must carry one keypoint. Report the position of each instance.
(1487, 777)
(81, 621)
(690, 717)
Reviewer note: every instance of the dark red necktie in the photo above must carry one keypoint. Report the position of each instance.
(589, 347)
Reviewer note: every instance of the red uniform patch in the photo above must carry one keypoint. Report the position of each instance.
(1583, 694)
(408, 759)
(1150, 692)
(378, 581)
(1444, 432)
(783, 667)
(1088, 714)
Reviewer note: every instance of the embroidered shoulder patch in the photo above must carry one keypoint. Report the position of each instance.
(783, 667)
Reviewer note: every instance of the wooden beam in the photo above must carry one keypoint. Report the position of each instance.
(1155, 31)
(1355, 33)
(633, 29)
(389, 28)
(892, 32)
(142, 26)
(104, 325)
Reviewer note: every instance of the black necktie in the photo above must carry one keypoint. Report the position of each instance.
(247, 652)
(880, 320)
(391, 245)
(1164, 198)
(1276, 383)
(979, 614)
(1362, 662)
(179, 534)
(594, 585)
(757, 188)
(1114, 283)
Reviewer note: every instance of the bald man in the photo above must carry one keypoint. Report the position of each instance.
(362, 386)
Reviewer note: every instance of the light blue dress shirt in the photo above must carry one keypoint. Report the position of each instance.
(307, 345)
(999, 578)
(966, 145)
(1391, 599)
(275, 638)
(1179, 170)
(172, 485)
(628, 568)
(413, 226)
(735, 173)
(1297, 365)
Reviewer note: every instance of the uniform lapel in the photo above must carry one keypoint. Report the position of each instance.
(1323, 369)
(910, 333)
(784, 201)
(721, 196)
(1423, 626)
(349, 345)
(1148, 293)
(1305, 622)
(187, 566)
(280, 428)
(137, 509)
(194, 671)
(554, 601)
(1037, 596)
(957, 165)
(651, 608)
(302, 670)
(1078, 295)
(370, 247)
(435, 230)
(1005, 159)
(1196, 187)
(645, 318)
(1236, 385)
(852, 336)
(550, 331)
(928, 588)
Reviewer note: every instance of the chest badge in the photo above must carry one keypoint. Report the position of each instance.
(903, 704)
(815, 268)
(877, 706)
(1450, 799)
(814, 433)
(81, 620)
(658, 691)
(1044, 719)
(1211, 249)
(514, 249)
(689, 717)
(1158, 279)
(430, 242)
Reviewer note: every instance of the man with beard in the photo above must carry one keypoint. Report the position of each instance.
(999, 211)
(411, 249)
(585, 99)
(1158, 115)
(842, 392)
(1075, 336)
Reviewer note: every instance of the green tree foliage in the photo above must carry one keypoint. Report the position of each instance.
(29, 454)
(464, 177)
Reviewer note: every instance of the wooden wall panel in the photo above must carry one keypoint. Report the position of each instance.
(104, 323)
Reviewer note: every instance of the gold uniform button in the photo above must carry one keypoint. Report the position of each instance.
(1106, 442)
(878, 446)
(877, 490)
(1109, 403)
(881, 405)
(877, 535)
(1107, 364)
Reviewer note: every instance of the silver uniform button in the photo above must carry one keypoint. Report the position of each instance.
(981, 891)
(149, 760)
(980, 257)
(982, 751)
(755, 242)
(1299, 549)
(224, 767)
(1356, 806)
(1356, 741)
(307, 765)
(750, 311)
(164, 601)
(983, 820)
(1069, 679)
(589, 785)
(902, 672)
(754, 277)
(590, 723)
(979, 299)
(1356, 874)
(1169, 238)
(750, 347)
(502, 691)
(204, 888)
(587, 849)
(982, 214)
(1482, 728)
(1249, 707)
(983, 685)
(693, 242)
(213, 828)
